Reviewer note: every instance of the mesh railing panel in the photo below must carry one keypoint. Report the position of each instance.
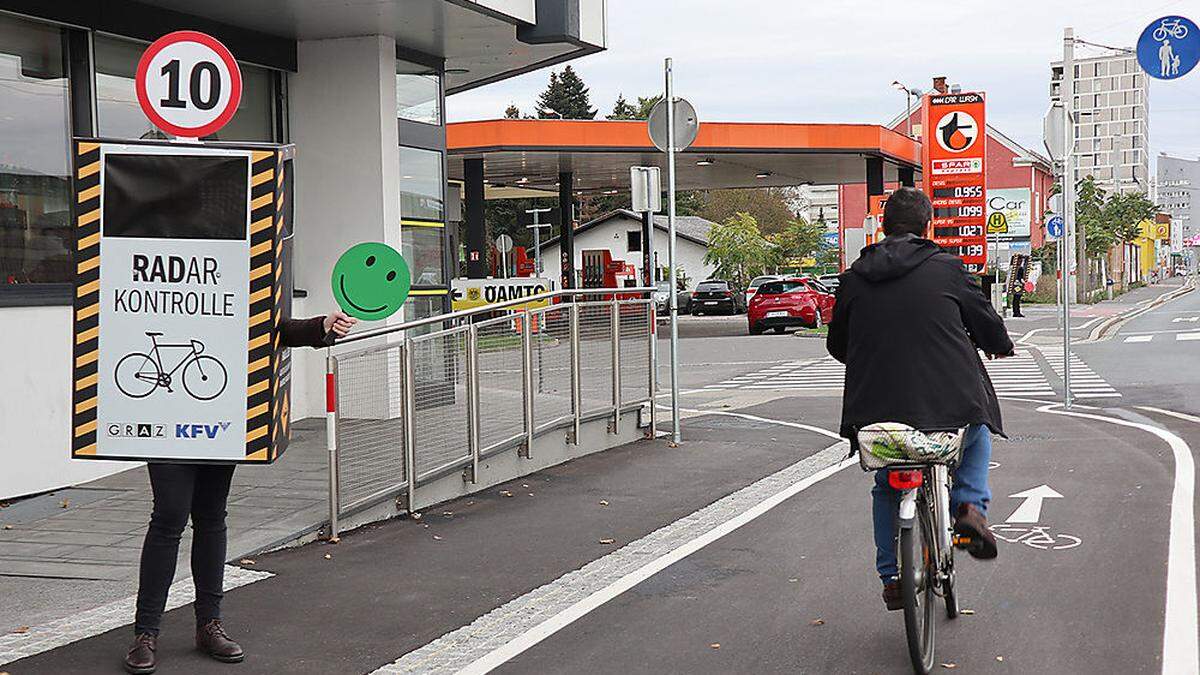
(370, 431)
(501, 394)
(551, 364)
(635, 352)
(595, 356)
(440, 422)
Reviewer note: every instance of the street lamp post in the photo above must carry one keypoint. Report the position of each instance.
(909, 94)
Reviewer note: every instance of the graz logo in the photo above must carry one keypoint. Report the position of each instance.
(956, 131)
(136, 430)
(200, 430)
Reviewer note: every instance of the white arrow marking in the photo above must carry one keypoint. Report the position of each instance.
(1181, 319)
(1030, 510)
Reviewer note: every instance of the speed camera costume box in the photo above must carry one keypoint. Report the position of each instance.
(182, 254)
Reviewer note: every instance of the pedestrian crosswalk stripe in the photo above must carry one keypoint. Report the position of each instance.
(1139, 338)
(1085, 383)
(1188, 336)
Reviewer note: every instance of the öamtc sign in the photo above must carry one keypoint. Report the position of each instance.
(183, 279)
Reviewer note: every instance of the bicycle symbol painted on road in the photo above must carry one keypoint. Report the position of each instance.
(139, 374)
(1035, 536)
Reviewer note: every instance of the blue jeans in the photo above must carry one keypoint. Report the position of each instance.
(970, 487)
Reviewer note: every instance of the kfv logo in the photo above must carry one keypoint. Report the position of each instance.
(200, 430)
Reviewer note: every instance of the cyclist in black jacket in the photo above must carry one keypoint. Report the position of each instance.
(908, 323)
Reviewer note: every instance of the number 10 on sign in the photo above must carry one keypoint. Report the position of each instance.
(188, 84)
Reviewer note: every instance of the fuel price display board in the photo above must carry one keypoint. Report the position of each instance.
(954, 154)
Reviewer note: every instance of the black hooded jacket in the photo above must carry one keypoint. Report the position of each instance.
(907, 323)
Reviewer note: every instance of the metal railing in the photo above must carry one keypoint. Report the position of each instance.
(414, 402)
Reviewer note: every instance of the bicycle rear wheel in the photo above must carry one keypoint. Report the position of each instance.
(136, 375)
(918, 569)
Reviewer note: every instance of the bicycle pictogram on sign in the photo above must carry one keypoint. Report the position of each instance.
(139, 374)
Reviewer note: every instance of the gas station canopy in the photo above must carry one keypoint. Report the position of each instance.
(523, 155)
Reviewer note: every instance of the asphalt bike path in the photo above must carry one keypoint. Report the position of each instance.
(1081, 589)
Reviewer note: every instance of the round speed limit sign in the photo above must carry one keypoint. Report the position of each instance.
(188, 84)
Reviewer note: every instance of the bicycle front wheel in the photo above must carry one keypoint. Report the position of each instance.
(136, 375)
(205, 378)
(918, 569)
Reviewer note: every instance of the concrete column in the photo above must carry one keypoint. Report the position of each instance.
(874, 176)
(906, 176)
(566, 210)
(475, 236)
(347, 190)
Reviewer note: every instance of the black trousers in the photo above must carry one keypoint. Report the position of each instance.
(1016, 304)
(182, 490)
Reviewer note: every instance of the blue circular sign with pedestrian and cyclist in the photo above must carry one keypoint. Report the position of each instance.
(1054, 227)
(1169, 47)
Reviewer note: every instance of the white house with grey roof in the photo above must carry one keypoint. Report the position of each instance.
(620, 233)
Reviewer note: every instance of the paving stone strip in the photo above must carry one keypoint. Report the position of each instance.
(43, 638)
(460, 648)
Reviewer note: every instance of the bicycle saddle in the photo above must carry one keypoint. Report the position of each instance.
(151, 333)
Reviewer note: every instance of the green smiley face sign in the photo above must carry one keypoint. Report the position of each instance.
(371, 281)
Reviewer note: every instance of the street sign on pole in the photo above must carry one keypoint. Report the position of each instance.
(1052, 131)
(645, 187)
(1169, 47)
(684, 123)
(504, 244)
(537, 236)
(1054, 227)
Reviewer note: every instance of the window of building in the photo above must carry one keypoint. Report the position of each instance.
(423, 249)
(422, 215)
(633, 241)
(35, 232)
(118, 114)
(418, 93)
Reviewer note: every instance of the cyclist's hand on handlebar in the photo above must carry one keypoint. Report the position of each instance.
(340, 323)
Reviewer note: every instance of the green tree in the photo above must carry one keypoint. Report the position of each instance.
(800, 239)
(768, 206)
(1089, 216)
(738, 250)
(622, 110)
(1124, 212)
(566, 96)
(512, 112)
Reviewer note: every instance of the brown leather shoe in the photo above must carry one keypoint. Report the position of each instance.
(212, 640)
(140, 659)
(892, 597)
(972, 533)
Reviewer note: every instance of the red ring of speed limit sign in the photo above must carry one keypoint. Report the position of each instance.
(184, 87)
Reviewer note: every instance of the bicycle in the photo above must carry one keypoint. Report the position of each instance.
(1170, 28)
(139, 374)
(926, 539)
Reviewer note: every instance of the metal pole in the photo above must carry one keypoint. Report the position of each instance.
(527, 379)
(676, 436)
(410, 415)
(616, 362)
(331, 441)
(651, 261)
(504, 264)
(908, 112)
(472, 383)
(1067, 94)
(576, 393)
(537, 244)
(652, 333)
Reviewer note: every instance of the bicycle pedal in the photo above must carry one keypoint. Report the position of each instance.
(961, 541)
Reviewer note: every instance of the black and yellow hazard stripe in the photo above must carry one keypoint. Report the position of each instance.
(281, 364)
(86, 210)
(262, 336)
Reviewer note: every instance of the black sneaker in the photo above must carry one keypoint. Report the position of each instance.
(892, 596)
(972, 534)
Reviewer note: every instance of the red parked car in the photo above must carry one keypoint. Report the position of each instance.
(789, 302)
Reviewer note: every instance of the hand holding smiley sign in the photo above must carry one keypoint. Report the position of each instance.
(371, 281)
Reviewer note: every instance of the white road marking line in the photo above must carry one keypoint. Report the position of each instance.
(1139, 338)
(92, 622)
(1181, 644)
(1188, 336)
(470, 649)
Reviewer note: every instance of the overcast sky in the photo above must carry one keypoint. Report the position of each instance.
(834, 60)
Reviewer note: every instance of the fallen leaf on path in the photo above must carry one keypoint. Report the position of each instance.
(328, 556)
(525, 485)
(606, 541)
(22, 629)
(530, 494)
(966, 611)
(949, 666)
(505, 493)
(603, 502)
(335, 540)
(437, 537)
(793, 580)
(715, 645)
(8, 527)
(246, 561)
(1000, 659)
(66, 503)
(817, 622)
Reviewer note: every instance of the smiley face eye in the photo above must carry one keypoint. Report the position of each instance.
(370, 260)
(391, 276)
